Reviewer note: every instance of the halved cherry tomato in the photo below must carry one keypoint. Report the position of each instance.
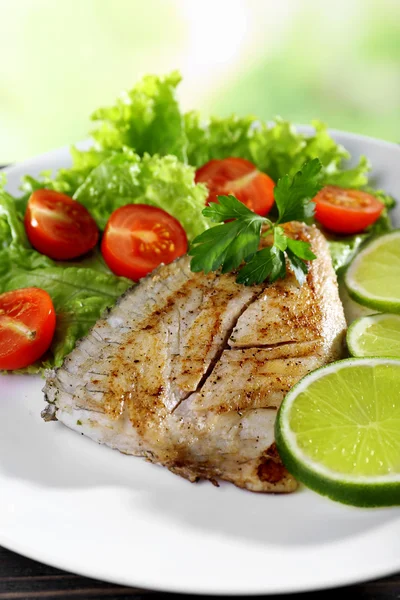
(27, 324)
(345, 210)
(58, 226)
(138, 238)
(240, 178)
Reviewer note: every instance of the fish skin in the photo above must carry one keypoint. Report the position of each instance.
(188, 370)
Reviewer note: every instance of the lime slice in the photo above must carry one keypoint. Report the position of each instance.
(338, 431)
(373, 277)
(375, 335)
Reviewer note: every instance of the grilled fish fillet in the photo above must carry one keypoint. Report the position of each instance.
(188, 370)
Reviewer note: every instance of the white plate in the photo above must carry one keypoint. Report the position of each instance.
(85, 508)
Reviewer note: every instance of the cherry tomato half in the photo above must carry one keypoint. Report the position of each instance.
(345, 210)
(240, 178)
(138, 238)
(58, 226)
(27, 324)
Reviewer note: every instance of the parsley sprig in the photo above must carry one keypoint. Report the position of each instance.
(237, 239)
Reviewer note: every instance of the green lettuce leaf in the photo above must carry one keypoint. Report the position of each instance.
(12, 229)
(218, 138)
(355, 177)
(344, 249)
(66, 181)
(385, 198)
(164, 182)
(146, 119)
(277, 149)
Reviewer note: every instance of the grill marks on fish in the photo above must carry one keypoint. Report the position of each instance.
(286, 312)
(189, 369)
(162, 367)
(254, 377)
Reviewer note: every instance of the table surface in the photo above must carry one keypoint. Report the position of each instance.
(22, 578)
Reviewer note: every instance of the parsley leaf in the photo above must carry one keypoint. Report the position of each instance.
(279, 265)
(229, 244)
(236, 238)
(211, 247)
(229, 207)
(293, 196)
(280, 238)
(267, 263)
(300, 249)
(298, 267)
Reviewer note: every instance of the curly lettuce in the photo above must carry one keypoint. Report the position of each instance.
(276, 148)
(144, 143)
(65, 180)
(164, 182)
(147, 119)
(12, 230)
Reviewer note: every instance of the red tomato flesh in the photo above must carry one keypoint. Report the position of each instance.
(345, 210)
(138, 238)
(27, 324)
(240, 178)
(58, 226)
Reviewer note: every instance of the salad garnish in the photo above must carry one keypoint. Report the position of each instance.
(229, 244)
(147, 151)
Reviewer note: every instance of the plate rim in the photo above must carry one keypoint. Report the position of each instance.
(91, 573)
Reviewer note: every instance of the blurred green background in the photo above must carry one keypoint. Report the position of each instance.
(300, 59)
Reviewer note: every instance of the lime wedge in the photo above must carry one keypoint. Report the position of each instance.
(375, 335)
(373, 276)
(338, 431)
